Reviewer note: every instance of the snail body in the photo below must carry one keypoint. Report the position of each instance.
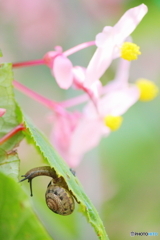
(58, 197)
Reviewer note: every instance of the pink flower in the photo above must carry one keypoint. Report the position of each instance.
(108, 43)
(75, 134)
(2, 111)
(110, 40)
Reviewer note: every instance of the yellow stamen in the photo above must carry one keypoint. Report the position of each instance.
(130, 51)
(148, 90)
(113, 122)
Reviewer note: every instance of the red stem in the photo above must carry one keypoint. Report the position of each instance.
(28, 63)
(15, 130)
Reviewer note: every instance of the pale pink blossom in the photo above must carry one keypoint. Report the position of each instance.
(2, 111)
(110, 40)
(75, 134)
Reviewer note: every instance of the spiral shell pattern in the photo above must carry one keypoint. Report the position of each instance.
(59, 200)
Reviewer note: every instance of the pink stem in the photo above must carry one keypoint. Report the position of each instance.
(79, 99)
(78, 48)
(45, 101)
(74, 101)
(58, 107)
(49, 103)
(15, 130)
(28, 63)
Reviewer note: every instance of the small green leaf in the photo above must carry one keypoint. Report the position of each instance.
(49, 154)
(8, 158)
(17, 220)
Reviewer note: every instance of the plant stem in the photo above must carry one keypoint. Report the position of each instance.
(49, 103)
(78, 48)
(57, 107)
(28, 63)
(74, 101)
(45, 101)
(15, 130)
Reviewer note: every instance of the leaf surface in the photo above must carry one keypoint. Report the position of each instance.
(54, 160)
(17, 220)
(9, 162)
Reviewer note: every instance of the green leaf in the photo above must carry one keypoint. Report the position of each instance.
(49, 154)
(10, 164)
(17, 220)
(8, 158)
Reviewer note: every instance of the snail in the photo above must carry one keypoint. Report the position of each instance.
(58, 197)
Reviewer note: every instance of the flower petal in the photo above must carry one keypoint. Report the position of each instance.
(128, 22)
(61, 134)
(62, 71)
(102, 38)
(118, 102)
(86, 136)
(93, 89)
(102, 57)
(100, 61)
(79, 74)
(109, 38)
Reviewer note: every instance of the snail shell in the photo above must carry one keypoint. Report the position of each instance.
(59, 200)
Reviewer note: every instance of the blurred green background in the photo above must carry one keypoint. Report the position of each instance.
(121, 176)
